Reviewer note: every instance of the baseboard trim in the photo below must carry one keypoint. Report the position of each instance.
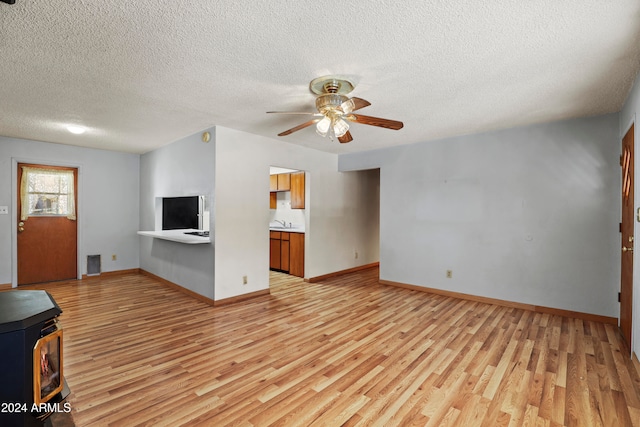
(341, 272)
(241, 298)
(504, 303)
(111, 273)
(179, 288)
(7, 286)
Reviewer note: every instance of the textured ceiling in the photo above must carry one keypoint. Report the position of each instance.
(142, 74)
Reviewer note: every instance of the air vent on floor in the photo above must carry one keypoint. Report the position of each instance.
(93, 265)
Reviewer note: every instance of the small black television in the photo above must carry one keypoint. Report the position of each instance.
(180, 213)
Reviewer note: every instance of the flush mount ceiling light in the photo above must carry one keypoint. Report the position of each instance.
(78, 130)
(335, 110)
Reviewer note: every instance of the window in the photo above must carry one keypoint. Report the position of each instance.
(47, 192)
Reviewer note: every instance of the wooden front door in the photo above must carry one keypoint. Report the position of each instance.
(47, 239)
(626, 281)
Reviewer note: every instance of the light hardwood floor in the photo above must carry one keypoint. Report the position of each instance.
(345, 351)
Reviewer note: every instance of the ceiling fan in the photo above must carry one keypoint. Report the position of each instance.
(335, 110)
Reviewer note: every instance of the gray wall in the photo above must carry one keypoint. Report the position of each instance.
(183, 168)
(108, 207)
(527, 214)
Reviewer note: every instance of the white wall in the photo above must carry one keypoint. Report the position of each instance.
(336, 220)
(183, 168)
(627, 117)
(527, 215)
(107, 207)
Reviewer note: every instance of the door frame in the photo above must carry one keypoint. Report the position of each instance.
(14, 212)
(636, 269)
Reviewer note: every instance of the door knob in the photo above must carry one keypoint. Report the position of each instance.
(626, 249)
(21, 226)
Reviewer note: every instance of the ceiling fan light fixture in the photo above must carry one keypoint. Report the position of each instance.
(330, 103)
(347, 106)
(322, 128)
(340, 127)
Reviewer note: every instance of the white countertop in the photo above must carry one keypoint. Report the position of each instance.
(294, 228)
(288, 230)
(177, 236)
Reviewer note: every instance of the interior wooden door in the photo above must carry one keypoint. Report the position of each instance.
(626, 280)
(47, 242)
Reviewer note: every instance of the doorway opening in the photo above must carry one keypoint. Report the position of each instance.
(348, 238)
(288, 218)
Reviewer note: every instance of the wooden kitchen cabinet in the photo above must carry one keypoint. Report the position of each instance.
(297, 190)
(280, 182)
(296, 254)
(284, 181)
(284, 252)
(275, 256)
(287, 252)
(293, 182)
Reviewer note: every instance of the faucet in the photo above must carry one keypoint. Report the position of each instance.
(284, 223)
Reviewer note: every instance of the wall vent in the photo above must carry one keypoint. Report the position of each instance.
(93, 265)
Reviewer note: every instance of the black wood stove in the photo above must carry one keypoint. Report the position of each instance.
(32, 384)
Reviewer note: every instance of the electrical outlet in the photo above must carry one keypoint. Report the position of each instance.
(114, 257)
(355, 254)
(245, 280)
(449, 274)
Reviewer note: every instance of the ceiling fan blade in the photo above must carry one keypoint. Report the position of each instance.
(297, 128)
(353, 104)
(375, 121)
(305, 113)
(360, 103)
(345, 138)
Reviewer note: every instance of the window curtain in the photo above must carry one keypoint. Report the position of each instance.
(24, 190)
